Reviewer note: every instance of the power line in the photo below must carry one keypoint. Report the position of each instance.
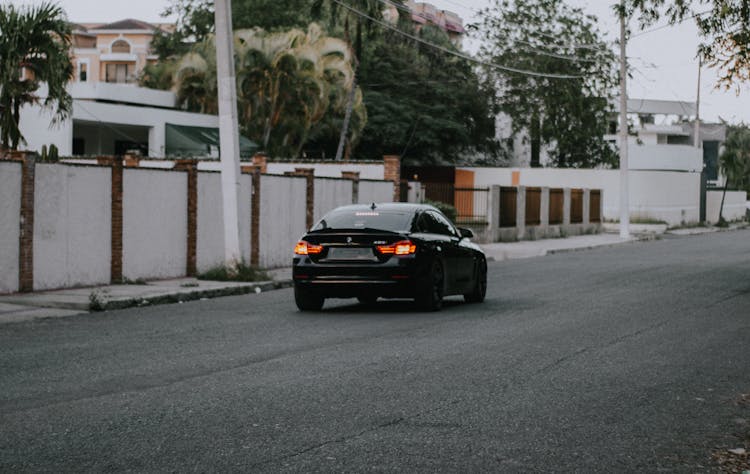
(667, 25)
(456, 53)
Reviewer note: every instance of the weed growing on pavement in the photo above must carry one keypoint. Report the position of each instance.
(243, 272)
(97, 301)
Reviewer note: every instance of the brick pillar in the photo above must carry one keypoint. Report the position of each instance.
(255, 220)
(191, 166)
(309, 174)
(392, 172)
(261, 160)
(117, 190)
(354, 177)
(26, 239)
(132, 161)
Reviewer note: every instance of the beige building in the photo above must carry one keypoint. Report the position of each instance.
(428, 14)
(114, 52)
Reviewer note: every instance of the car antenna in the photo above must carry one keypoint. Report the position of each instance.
(373, 206)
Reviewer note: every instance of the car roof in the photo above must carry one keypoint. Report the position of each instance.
(388, 206)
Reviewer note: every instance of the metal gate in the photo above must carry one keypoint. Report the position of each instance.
(471, 203)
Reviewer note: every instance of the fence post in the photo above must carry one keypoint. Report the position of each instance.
(566, 206)
(392, 172)
(116, 168)
(309, 175)
(354, 177)
(544, 211)
(191, 167)
(520, 212)
(26, 234)
(493, 213)
(586, 207)
(255, 218)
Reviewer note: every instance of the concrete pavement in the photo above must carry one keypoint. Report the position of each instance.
(71, 301)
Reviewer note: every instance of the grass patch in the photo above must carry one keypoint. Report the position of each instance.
(243, 272)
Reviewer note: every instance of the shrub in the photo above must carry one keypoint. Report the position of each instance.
(243, 272)
(447, 209)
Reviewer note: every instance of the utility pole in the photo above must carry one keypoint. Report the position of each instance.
(624, 184)
(697, 130)
(228, 136)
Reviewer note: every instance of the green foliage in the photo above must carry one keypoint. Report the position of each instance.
(243, 272)
(724, 26)
(49, 155)
(432, 110)
(548, 37)
(735, 160)
(34, 49)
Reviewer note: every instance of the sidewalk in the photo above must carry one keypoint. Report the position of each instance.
(67, 302)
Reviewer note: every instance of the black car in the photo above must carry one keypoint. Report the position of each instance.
(390, 250)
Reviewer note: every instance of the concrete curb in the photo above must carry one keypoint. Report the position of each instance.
(642, 238)
(182, 296)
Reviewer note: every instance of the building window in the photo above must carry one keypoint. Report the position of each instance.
(120, 46)
(119, 73)
(79, 146)
(83, 71)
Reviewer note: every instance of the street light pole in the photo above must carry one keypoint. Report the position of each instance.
(624, 191)
(228, 135)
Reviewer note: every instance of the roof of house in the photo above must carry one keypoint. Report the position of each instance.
(128, 24)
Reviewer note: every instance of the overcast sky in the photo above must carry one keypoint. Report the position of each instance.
(665, 62)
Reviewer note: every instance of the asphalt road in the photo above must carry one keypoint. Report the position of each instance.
(631, 358)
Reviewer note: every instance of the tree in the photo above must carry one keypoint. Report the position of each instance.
(34, 50)
(555, 77)
(287, 82)
(725, 28)
(735, 162)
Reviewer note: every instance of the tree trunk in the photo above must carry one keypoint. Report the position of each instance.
(535, 132)
(721, 208)
(347, 118)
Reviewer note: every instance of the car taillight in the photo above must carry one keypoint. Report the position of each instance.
(306, 248)
(405, 247)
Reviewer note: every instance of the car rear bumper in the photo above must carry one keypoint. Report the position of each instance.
(393, 279)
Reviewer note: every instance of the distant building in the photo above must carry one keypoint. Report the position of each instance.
(113, 52)
(111, 114)
(428, 14)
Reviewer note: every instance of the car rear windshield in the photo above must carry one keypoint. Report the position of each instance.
(392, 221)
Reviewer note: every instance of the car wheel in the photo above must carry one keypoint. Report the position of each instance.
(480, 285)
(367, 300)
(430, 295)
(307, 300)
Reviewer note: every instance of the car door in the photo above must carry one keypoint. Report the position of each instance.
(461, 258)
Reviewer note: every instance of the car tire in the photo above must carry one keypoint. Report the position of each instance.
(307, 300)
(430, 294)
(480, 285)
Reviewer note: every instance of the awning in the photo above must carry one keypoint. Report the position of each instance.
(200, 142)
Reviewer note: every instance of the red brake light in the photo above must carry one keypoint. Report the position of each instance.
(405, 247)
(306, 248)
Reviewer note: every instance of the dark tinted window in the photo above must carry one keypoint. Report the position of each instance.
(434, 223)
(393, 221)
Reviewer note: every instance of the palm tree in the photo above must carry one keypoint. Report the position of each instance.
(735, 162)
(34, 50)
(286, 83)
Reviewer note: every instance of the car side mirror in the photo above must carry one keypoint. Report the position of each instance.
(466, 233)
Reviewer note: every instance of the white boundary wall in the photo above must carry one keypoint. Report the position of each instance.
(330, 194)
(210, 226)
(10, 225)
(282, 218)
(331, 170)
(154, 224)
(670, 196)
(375, 191)
(735, 205)
(72, 225)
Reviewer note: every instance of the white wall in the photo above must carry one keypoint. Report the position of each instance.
(36, 127)
(375, 191)
(72, 226)
(330, 194)
(10, 225)
(282, 218)
(670, 196)
(210, 244)
(735, 205)
(665, 157)
(154, 236)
